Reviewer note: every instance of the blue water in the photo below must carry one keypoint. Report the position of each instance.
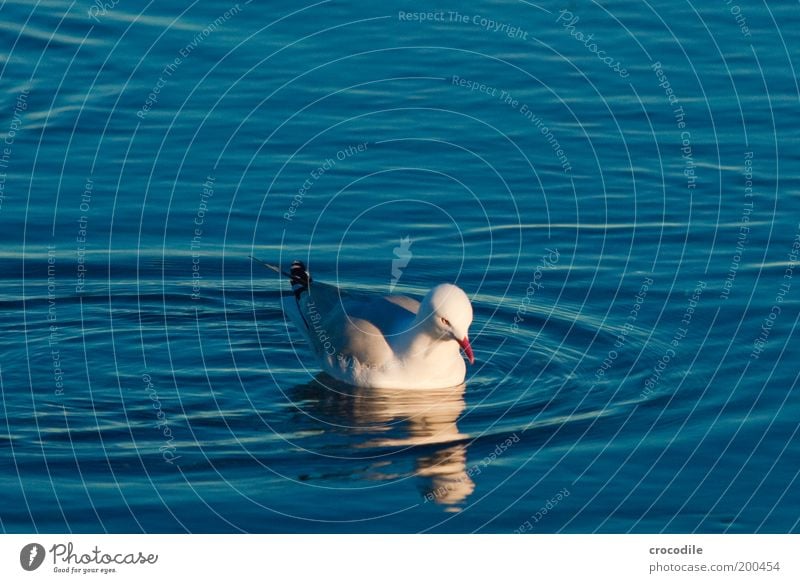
(627, 230)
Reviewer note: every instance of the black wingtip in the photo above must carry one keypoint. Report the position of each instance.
(298, 275)
(299, 278)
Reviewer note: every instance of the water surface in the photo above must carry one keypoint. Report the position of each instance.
(628, 237)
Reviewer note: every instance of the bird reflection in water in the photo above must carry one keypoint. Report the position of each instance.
(396, 423)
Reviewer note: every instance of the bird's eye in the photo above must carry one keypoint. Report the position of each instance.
(445, 321)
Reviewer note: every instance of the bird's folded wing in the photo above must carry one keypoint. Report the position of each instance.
(338, 324)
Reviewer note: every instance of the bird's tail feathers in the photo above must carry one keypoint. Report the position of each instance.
(270, 266)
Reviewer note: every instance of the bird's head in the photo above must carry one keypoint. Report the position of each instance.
(447, 314)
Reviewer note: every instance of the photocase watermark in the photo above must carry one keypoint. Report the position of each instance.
(326, 166)
(81, 237)
(548, 261)
(325, 346)
(14, 126)
(741, 21)
(744, 227)
(543, 511)
(402, 256)
(652, 381)
(622, 335)
(680, 120)
(477, 86)
(101, 8)
(507, 99)
(442, 491)
(170, 69)
(568, 20)
(32, 556)
(168, 449)
(783, 289)
(512, 32)
(478, 20)
(68, 560)
(53, 337)
(320, 332)
(195, 243)
(543, 128)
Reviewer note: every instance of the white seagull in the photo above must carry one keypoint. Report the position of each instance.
(382, 341)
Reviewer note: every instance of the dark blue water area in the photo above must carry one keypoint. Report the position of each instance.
(615, 186)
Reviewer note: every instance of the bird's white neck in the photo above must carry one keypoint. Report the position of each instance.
(420, 342)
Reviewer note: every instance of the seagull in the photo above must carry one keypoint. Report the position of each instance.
(382, 342)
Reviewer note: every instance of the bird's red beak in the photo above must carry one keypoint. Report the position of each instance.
(467, 349)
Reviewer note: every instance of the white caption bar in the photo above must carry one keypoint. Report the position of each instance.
(355, 558)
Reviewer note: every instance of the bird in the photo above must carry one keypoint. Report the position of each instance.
(381, 341)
